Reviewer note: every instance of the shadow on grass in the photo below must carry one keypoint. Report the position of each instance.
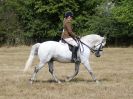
(75, 80)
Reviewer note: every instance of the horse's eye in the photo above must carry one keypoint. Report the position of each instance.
(94, 47)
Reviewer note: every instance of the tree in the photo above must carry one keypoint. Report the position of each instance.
(124, 12)
(42, 20)
(31, 21)
(9, 25)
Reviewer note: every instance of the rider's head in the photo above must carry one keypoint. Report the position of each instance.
(68, 14)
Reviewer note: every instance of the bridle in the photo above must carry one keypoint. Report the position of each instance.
(93, 50)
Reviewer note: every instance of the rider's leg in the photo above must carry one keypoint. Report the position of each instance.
(74, 48)
(74, 54)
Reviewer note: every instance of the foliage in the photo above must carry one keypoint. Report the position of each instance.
(10, 30)
(124, 12)
(30, 21)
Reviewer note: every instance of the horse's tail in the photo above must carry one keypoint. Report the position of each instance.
(34, 51)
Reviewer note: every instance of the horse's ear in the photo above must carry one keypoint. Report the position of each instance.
(104, 39)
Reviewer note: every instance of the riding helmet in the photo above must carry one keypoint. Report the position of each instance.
(69, 13)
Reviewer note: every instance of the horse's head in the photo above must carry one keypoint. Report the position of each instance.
(95, 43)
(98, 46)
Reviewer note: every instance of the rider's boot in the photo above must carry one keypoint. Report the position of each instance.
(74, 54)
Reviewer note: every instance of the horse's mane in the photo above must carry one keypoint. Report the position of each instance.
(91, 37)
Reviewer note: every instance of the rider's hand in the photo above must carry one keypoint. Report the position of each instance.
(77, 37)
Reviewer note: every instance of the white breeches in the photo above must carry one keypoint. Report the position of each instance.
(71, 41)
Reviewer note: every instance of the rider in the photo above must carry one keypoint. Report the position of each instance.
(69, 36)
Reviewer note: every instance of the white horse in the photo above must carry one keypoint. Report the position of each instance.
(51, 51)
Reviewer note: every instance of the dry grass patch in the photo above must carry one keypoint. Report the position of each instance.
(114, 70)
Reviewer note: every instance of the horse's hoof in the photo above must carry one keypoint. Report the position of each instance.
(31, 81)
(67, 79)
(97, 82)
(59, 82)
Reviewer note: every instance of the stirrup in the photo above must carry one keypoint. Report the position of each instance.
(75, 60)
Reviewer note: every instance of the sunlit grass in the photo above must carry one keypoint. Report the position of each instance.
(114, 70)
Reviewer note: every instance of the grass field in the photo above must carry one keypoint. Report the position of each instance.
(114, 70)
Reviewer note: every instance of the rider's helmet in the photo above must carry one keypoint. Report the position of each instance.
(68, 13)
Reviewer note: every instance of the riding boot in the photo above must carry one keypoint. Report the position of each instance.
(74, 54)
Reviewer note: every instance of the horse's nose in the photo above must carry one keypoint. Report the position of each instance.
(97, 54)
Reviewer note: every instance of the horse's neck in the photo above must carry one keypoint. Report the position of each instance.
(90, 40)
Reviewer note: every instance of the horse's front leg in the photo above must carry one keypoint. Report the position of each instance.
(87, 66)
(51, 70)
(75, 73)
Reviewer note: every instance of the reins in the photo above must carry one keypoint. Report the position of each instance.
(92, 50)
(82, 43)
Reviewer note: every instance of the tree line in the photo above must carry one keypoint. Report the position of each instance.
(25, 22)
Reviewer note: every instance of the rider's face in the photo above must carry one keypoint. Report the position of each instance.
(70, 18)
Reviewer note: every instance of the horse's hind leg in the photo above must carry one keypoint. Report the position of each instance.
(37, 68)
(51, 70)
(75, 73)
